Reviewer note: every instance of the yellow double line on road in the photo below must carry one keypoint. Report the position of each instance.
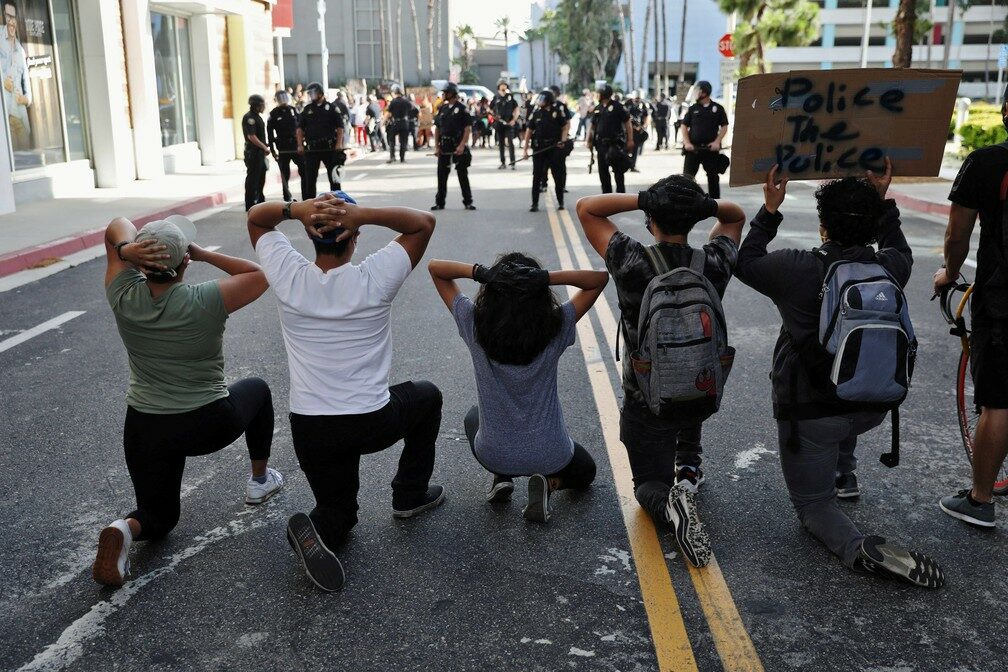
(668, 631)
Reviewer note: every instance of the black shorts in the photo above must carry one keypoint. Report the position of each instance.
(989, 362)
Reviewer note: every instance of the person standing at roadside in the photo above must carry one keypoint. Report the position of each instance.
(282, 132)
(505, 112)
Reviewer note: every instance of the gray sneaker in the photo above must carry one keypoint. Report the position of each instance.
(847, 486)
(884, 558)
(959, 506)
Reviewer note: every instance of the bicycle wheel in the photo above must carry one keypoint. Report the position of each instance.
(968, 418)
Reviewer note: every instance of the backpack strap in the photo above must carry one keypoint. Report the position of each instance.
(698, 260)
(659, 264)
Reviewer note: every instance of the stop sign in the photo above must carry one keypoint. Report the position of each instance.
(724, 45)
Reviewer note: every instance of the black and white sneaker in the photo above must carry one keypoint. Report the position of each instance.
(887, 559)
(847, 486)
(320, 564)
(537, 509)
(690, 477)
(500, 490)
(690, 534)
(433, 498)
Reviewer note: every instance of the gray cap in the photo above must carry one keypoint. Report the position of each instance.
(175, 232)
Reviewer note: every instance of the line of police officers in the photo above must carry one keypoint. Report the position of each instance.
(315, 137)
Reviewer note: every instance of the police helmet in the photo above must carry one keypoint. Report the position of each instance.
(604, 90)
(450, 89)
(396, 90)
(316, 87)
(256, 100)
(282, 97)
(545, 97)
(502, 82)
(556, 91)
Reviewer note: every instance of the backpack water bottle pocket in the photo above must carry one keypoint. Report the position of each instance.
(872, 364)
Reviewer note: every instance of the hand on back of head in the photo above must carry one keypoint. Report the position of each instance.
(512, 277)
(670, 202)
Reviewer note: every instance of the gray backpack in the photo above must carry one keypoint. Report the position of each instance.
(682, 358)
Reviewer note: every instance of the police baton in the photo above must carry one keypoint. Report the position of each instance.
(537, 152)
(313, 151)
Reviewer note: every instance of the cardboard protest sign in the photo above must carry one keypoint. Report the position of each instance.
(819, 124)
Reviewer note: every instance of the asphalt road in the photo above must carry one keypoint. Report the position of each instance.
(471, 587)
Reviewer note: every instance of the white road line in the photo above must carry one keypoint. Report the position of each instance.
(29, 334)
(359, 176)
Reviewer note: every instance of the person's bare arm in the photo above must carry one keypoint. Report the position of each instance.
(564, 132)
(339, 137)
(444, 274)
(245, 283)
(147, 255)
(254, 139)
(957, 244)
(731, 220)
(589, 283)
(465, 139)
(594, 213)
(300, 140)
(628, 125)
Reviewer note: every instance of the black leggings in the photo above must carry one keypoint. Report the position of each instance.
(577, 475)
(157, 447)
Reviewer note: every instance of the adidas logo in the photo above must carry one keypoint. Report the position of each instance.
(881, 297)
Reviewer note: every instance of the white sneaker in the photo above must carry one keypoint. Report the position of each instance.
(257, 493)
(111, 565)
(690, 534)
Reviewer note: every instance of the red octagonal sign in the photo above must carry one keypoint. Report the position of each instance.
(724, 45)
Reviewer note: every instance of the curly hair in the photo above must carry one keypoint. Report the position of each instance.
(673, 223)
(849, 210)
(514, 329)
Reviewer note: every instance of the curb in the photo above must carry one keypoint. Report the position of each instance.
(21, 260)
(919, 204)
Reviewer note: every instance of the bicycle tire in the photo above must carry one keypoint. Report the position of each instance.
(968, 417)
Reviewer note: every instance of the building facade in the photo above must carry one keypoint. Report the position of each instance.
(369, 39)
(98, 93)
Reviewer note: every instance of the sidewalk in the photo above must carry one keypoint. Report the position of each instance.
(44, 232)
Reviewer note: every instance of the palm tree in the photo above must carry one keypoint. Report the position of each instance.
(467, 39)
(643, 59)
(530, 36)
(633, 53)
(417, 45)
(765, 24)
(627, 65)
(431, 6)
(401, 76)
(381, 26)
(503, 26)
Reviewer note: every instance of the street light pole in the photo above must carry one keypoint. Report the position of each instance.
(320, 5)
(866, 35)
(682, 50)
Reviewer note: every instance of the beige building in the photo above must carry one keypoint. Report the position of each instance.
(98, 93)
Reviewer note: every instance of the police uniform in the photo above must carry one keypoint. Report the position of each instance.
(319, 122)
(638, 111)
(414, 122)
(567, 114)
(504, 107)
(609, 134)
(546, 125)
(703, 124)
(662, 112)
(399, 110)
(452, 120)
(255, 159)
(282, 131)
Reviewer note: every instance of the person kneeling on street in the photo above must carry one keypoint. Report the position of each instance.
(177, 404)
(672, 377)
(819, 409)
(516, 332)
(335, 319)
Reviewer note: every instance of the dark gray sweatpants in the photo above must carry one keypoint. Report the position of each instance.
(826, 447)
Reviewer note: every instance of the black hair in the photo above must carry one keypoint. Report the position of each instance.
(849, 210)
(331, 248)
(670, 222)
(162, 278)
(514, 328)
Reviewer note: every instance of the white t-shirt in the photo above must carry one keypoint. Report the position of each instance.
(335, 325)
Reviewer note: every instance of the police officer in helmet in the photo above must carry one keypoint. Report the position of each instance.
(453, 125)
(281, 129)
(611, 137)
(547, 132)
(320, 141)
(256, 150)
(397, 124)
(505, 110)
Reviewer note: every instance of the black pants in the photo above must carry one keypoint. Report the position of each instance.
(309, 174)
(377, 138)
(329, 448)
(577, 475)
(255, 177)
(284, 159)
(400, 131)
(661, 130)
(707, 159)
(157, 446)
(638, 149)
(505, 136)
(555, 162)
(603, 173)
(444, 165)
(656, 449)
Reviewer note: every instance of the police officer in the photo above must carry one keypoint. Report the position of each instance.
(505, 111)
(547, 132)
(706, 124)
(319, 140)
(256, 150)
(453, 125)
(611, 136)
(281, 129)
(397, 115)
(662, 112)
(639, 115)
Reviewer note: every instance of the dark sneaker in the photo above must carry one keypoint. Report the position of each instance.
(537, 509)
(887, 559)
(437, 207)
(847, 486)
(959, 506)
(502, 167)
(690, 477)
(320, 564)
(431, 499)
(500, 490)
(690, 535)
(560, 206)
(534, 208)
(470, 206)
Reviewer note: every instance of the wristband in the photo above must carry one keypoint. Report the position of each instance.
(287, 210)
(118, 249)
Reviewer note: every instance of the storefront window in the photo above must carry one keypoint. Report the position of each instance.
(173, 70)
(70, 79)
(30, 88)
